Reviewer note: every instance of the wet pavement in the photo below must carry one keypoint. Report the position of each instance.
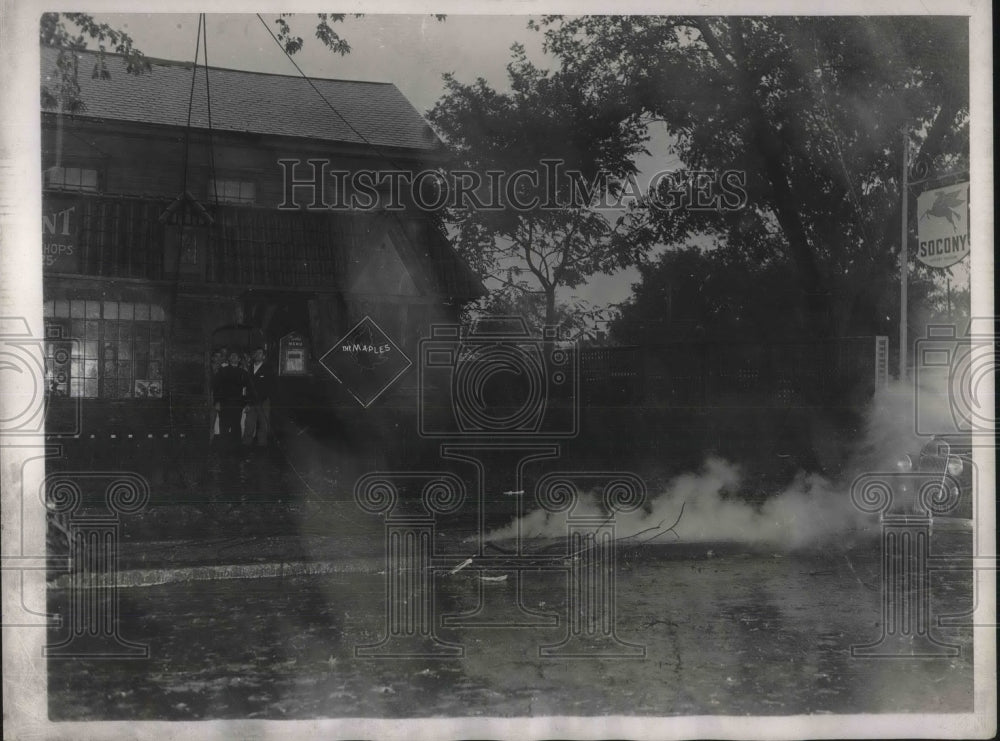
(726, 630)
(721, 628)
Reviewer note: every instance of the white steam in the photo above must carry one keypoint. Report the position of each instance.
(700, 508)
(812, 511)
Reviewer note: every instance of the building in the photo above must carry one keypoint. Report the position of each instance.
(168, 233)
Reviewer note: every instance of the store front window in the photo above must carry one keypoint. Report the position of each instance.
(104, 349)
(71, 178)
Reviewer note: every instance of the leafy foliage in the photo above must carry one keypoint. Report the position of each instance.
(71, 32)
(54, 31)
(692, 294)
(324, 32)
(811, 109)
(558, 144)
(577, 319)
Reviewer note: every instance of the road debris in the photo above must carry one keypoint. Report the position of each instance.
(461, 566)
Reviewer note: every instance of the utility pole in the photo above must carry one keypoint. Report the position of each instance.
(904, 257)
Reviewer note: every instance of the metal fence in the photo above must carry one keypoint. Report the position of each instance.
(734, 373)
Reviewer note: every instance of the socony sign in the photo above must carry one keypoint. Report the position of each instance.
(943, 225)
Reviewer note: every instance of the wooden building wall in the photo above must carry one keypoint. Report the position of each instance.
(110, 252)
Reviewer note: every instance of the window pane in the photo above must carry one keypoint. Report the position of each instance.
(47, 310)
(88, 179)
(90, 388)
(110, 309)
(77, 308)
(246, 191)
(90, 368)
(142, 312)
(156, 313)
(124, 310)
(90, 349)
(76, 330)
(76, 387)
(124, 388)
(73, 177)
(62, 308)
(92, 328)
(93, 310)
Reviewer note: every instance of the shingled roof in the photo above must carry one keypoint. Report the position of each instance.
(261, 103)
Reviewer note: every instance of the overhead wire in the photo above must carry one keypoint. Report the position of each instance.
(393, 214)
(208, 105)
(374, 147)
(175, 286)
(187, 128)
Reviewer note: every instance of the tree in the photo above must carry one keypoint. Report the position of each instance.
(70, 32)
(811, 110)
(692, 294)
(544, 158)
(578, 320)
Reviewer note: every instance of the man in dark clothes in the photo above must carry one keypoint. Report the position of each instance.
(229, 392)
(258, 422)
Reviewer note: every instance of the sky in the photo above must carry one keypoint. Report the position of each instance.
(410, 51)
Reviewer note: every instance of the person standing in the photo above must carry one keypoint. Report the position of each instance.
(229, 392)
(261, 389)
(217, 361)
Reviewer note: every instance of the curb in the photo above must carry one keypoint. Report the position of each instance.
(279, 569)
(155, 576)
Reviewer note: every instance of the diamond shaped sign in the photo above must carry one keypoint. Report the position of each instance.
(365, 361)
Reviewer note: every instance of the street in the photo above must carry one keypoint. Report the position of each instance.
(726, 630)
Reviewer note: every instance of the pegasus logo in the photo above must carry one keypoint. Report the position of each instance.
(945, 206)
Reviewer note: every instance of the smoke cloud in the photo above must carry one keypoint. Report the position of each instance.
(812, 511)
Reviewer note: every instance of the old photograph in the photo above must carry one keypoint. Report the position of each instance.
(509, 372)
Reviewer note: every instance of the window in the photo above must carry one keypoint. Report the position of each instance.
(71, 178)
(232, 191)
(104, 349)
